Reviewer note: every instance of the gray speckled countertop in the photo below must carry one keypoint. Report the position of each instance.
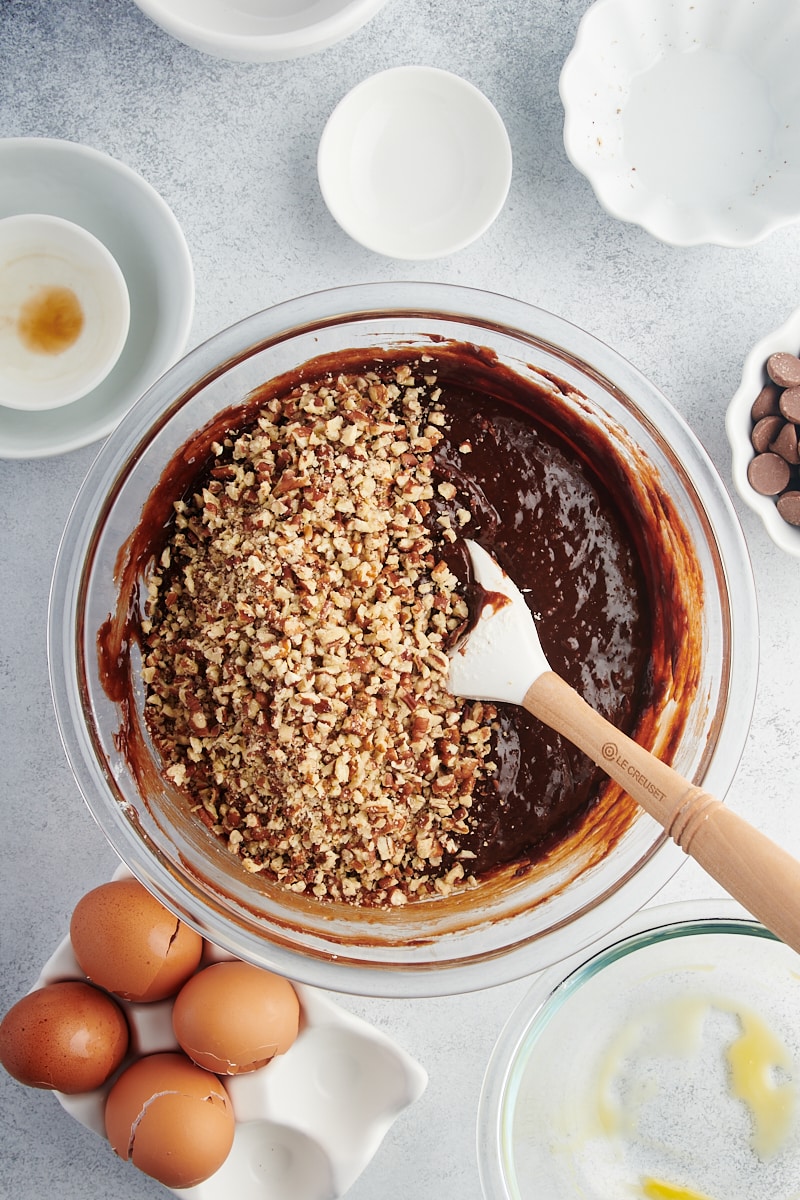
(232, 147)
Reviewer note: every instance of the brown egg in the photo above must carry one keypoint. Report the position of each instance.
(129, 943)
(171, 1119)
(232, 1017)
(68, 1036)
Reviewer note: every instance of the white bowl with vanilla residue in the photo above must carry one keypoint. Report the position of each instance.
(664, 1064)
(64, 312)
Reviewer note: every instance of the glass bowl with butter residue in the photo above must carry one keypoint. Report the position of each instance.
(524, 916)
(665, 1066)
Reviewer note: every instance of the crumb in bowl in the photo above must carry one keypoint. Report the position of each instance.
(295, 647)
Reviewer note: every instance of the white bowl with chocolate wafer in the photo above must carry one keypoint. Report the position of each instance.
(255, 598)
(763, 427)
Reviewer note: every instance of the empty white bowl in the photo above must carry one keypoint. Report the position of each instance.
(414, 163)
(683, 115)
(739, 426)
(259, 30)
(64, 312)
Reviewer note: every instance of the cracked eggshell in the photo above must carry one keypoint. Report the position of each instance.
(307, 1123)
(233, 1017)
(171, 1119)
(127, 942)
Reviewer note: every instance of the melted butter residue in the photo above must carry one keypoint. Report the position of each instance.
(756, 1065)
(656, 1189)
(680, 1026)
(757, 1059)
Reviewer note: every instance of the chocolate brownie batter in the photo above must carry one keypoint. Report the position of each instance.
(553, 525)
(556, 502)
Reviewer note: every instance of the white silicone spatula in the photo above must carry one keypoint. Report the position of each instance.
(502, 660)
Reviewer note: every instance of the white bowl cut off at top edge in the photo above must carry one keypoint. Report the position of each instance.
(64, 311)
(414, 163)
(739, 425)
(260, 30)
(684, 115)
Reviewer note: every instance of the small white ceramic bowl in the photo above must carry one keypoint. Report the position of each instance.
(739, 426)
(260, 30)
(683, 115)
(414, 163)
(64, 312)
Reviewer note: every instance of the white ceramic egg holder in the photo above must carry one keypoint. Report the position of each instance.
(308, 1123)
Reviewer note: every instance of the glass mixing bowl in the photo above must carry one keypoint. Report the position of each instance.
(510, 925)
(664, 1065)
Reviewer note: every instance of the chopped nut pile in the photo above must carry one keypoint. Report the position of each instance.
(295, 647)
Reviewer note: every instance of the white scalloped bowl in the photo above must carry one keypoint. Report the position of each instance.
(683, 115)
(738, 426)
(259, 30)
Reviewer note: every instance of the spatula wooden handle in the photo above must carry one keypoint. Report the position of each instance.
(751, 868)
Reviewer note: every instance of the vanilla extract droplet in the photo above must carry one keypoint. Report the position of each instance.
(50, 321)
